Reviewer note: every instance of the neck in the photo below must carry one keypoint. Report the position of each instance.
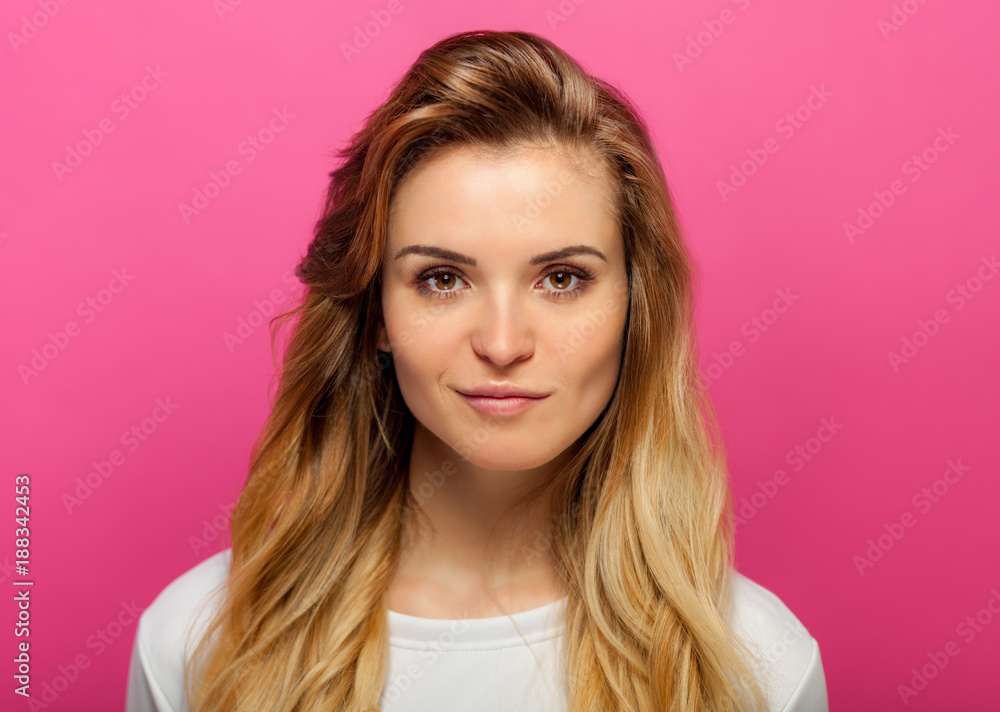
(466, 529)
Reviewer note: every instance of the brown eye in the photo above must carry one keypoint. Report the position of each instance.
(445, 281)
(567, 282)
(561, 279)
(439, 283)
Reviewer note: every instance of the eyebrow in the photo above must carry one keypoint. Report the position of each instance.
(431, 251)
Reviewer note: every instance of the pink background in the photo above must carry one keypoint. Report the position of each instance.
(880, 97)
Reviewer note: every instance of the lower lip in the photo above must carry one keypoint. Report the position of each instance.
(501, 406)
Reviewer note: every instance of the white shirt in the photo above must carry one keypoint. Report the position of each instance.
(480, 664)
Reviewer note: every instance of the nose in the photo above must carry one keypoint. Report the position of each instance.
(502, 333)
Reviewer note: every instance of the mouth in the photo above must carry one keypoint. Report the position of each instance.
(501, 390)
(501, 405)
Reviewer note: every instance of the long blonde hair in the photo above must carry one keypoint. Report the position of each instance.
(642, 524)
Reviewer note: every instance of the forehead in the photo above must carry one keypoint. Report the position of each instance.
(471, 195)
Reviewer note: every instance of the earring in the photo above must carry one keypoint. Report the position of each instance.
(383, 359)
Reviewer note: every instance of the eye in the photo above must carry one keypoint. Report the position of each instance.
(564, 275)
(562, 280)
(445, 279)
(567, 282)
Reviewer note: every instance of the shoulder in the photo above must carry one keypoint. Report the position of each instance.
(791, 670)
(171, 626)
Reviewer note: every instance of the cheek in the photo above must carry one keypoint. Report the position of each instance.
(413, 323)
(421, 351)
(587, 348)
(418, 381)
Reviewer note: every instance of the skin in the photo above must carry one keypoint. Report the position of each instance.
(501, 319)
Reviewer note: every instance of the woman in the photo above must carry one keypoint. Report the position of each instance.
(488, 479)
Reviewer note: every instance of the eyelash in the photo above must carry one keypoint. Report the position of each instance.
(584, 277)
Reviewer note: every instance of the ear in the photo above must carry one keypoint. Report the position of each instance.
(382, 339)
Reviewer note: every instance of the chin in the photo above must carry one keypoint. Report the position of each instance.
(503, 451)
(504, 461)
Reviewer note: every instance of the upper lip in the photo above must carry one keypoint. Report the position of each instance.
(501, 390)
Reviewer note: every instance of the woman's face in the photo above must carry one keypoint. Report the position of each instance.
(504, 271)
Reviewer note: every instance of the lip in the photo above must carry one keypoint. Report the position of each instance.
(505, 406)
(501, 398)
(497, 389)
